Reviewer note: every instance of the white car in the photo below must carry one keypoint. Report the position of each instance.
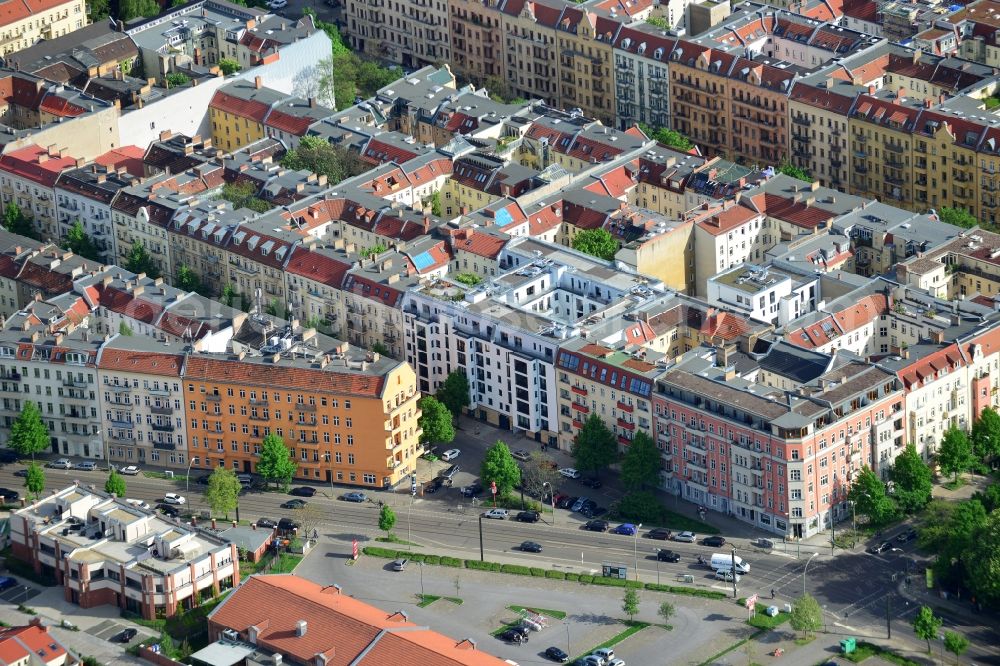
(174, 498)
(522, 455)
(450, 454)
(686, 537)
(726, 576)
(570, 473)
(139, 504)
(277, 4)
(62, 463)
(496, 514)
(131, 470)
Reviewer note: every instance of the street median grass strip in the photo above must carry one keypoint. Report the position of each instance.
(765, 621)
(865, 650)
(396, 540)
(633, 627)
(735, 646)
(427, 599)
(557, 614)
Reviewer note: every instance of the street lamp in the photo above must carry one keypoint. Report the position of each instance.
(421, 580)
(656, 552)
(635, 549)
(187, 475)
(804, 569)
(482, 555)
(552, 499)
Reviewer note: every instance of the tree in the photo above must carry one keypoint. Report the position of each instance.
(223, 491)
(228, 295)
(595, 446)
(386, 519)
(309, 516)
(229, 66)
(989, 497)
(130, 9)
(926, 625)
(435, 422)
(958, 217)
(372, 251)
(790, 169)
(955, 453)
(630, 603)
(640, 507)
(323, 158)
(436, 204)
(115, 485)
(641, 464)
(454, 392)
(597, 243)
(177, 80)
(244, 195)
(659, 22)
(275, 308)
(807, 616)
(28, 434)
(981, 559)
(500, 468)
(124, 329)
(986, 435)
(670, 138)
(666, 611)
(35, 480)
(276, 463)
(955, 643)
(16, 222)
(187, 279)
(380, 349)
(468, 279)
(140, 261)
(80, 243)
(869, 498)
(536, 472)
(912, 479)
(98, 10)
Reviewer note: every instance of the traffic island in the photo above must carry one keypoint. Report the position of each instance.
(427, 599)
(632, 627)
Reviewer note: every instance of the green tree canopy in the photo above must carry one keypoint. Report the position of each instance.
(597, 243)
(244, 195)
(275, 462)
(641, 464)
(386, 519)
(790, 169)
(187, 279)
(454, 392)
(926, 625)
(124, 329)
(955, 453)
(982, 560)
(115, 484)
(321, 157)
(140, 261)
(228, 66)
(955, 643)
(666, 611)
(131, 9)
(986, 435)
(29, 434)
(35, 480)
(670, 138)
(223, 491)
(641, 506)
(912, 479)
(435, 421)
(177, 79)
(807, 616)
(595, 447)
(630, 603)
(80, 243)
(957, 216)
(500, 468)
(16, 222)
(869, 498)
(228, 295)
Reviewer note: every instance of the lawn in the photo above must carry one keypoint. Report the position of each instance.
(427, 599)
(286, 563)
(866, 650)
(676, 521)
(631, 628)
(392, 538)
(557, 614)
(765, 621)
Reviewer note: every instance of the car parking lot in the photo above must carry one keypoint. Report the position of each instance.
(110, 629)
(20, 593)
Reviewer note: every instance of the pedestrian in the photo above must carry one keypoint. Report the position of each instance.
(772, 593)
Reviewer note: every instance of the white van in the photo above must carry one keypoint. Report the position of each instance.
(607, 654)
(725, 561)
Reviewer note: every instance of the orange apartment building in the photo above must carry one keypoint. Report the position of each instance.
(328, 409)
(476, 40)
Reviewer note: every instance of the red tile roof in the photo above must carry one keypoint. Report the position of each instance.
(244, 108)
(129, 157)
(317, 267)
(483, 245)
(34, 163)
(346, 630)
(798, 213)
(31, 643)
(721, 220)
(148, 363)
(231, 370)
(18, 10)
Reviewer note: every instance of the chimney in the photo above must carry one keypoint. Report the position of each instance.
(165, 135)
(312, 102)
(427, 223)
(927, 104)
(937, 337)
(300, 626)
(871, 90)
(258, 82)
(901, 94)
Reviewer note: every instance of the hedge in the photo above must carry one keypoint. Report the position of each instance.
(450, 561)
(482, 566)
(537, 572)
(516, 569)
(573, 577)
(552, 573)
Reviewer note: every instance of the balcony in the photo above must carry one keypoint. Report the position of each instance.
(627, 425)
(624, 441)
(163, 427)
(801, 120)
(583, 409)
(157, 409)
(579, 390)
(165, 446)
(577, 424)
(893, 147)
(119, 387)
(257, 417)
(625, 408)
(159, 391)
(74, 383)
(262, 402)
(128, 425)
(305, 407)
(213, 397)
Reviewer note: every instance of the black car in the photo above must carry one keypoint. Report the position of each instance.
(660, 534)
(566, 502)
(293, 504)
(593, 483)
(266, 523)
(591, 511)
(667, 556)
(596, 525)
(908, 535)
(302, 491)
(527, 516)
(436, 484)
(203, 479)
(555, 654)
(124, 636)
(530, 547)
(881, 548)
(168, 510)
(8, 456)
(474, 489)
(21, 472)
(512, 636)
(8, 496)
(714, 541)
(287, 525)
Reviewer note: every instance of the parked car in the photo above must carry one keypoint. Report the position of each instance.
(527, 516)
(908, 535)
(451, 454)
(714, 541)
(555, 654)
(451, 472)
(616, 662)
(627, 529)
(8, 456)
(21, 472)
(399, 565)
(130, 470)
(659, 533)
(6, 582)
(578, 504)
(522, 455)
(496, 514)
(125, 635)
(592, 511)
(664, 555)
(881, 548)
(570, 473)
(530, 547)
(62, 463)
(512, 636)
(293, 504)
(266, 523)
(353, 497)
(8, 496)
(168, 510)
(139, 504)
(287, 525)
(596, 525)
(607, 654)
(566, 502)
(302, 491)
(435, 484)
(473, 489)
(593, 483)
(277, 4)
(203, 479)
(174, 498)
(87, 466)
(686, 537)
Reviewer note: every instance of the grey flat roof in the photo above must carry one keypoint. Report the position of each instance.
(223, 653)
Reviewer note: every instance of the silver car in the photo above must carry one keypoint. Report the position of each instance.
(62, 463)
(399, 565)
(686, 537)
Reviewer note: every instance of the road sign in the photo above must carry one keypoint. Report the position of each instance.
(413, 485)
(751, 601)
(493, 487)
(354, 545)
